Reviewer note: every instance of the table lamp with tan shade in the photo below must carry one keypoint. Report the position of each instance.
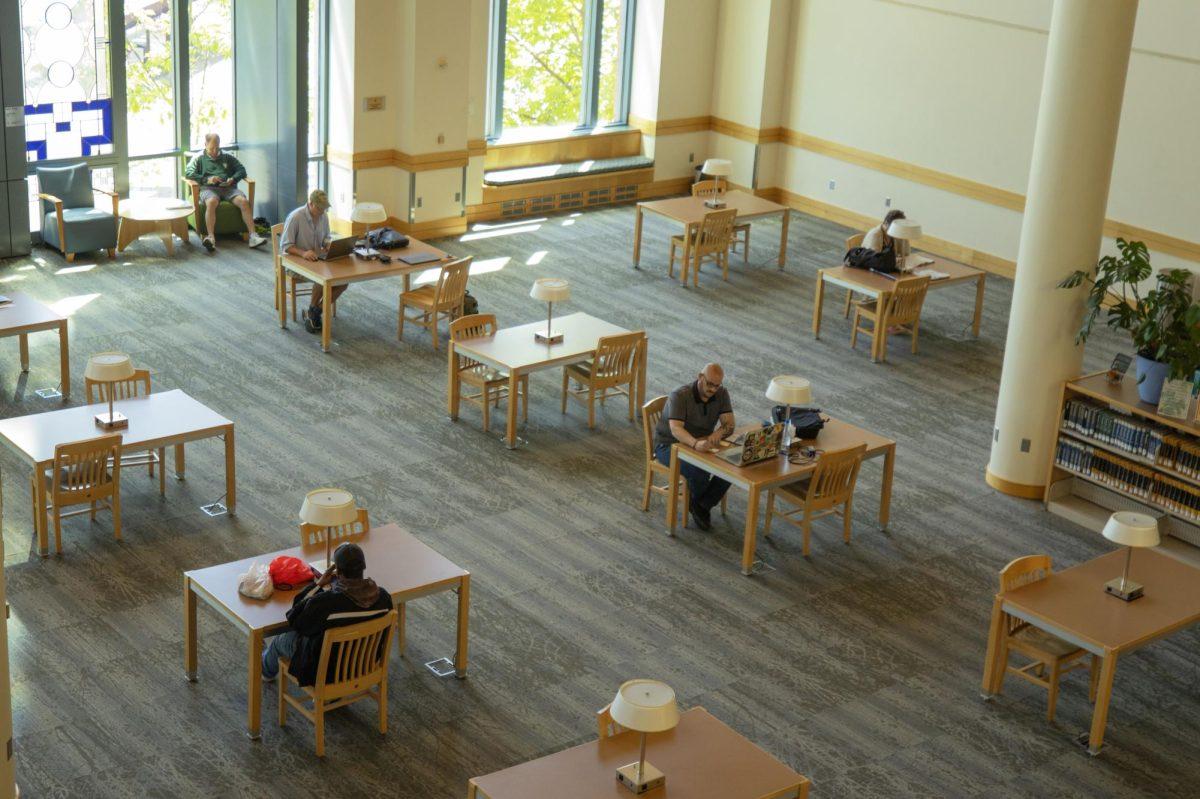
(644, 706)
(110, 368)
(717, 168)
(550, 290)
(328, 508)
(907, 231)
(368, 214)
(789, 390)
(1132, 530)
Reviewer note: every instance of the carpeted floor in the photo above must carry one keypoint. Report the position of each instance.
(859, 666)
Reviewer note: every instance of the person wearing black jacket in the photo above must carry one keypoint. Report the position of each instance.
(342, 596)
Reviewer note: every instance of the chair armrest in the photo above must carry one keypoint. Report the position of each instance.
(58, 211)
(51, 198)
(194, 193)
(116, 199)
(250, 192)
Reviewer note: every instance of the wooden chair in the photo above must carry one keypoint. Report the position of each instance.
(88, 473)
(312, 536)
(902, 315)
(492, 384)
(1045, 649)
(605, 725)
(741, 233)
(288, 284)
(613, 369)
(711, 242)
(851, 242)
(136, 386)
(435, 301)
(829, 490)
(651, 412)
(353, 666)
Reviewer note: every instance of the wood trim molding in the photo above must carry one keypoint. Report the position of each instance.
(1013, 489)
(428, 229)
(377, 159)
(476, 147)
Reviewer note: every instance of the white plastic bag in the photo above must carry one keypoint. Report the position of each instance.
(256, 583)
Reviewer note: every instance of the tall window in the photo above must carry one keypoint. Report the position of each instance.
(210, 56)
(559, 63)
(317, 61)
(150, 98)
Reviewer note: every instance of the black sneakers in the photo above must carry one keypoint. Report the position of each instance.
(702, 517)
(208, 243)
(312, 320)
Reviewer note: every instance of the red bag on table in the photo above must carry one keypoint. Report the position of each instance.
(288, 572)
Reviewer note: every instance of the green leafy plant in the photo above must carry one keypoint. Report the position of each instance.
(1164, 323)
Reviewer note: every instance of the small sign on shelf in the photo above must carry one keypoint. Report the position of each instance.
(1176, 399)
(1120, 366)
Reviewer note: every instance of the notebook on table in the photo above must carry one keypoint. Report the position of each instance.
(412, 259)
(915, 261)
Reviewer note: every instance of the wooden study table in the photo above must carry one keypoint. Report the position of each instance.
(25, 315)
(155, 420)
(399, 563)
(765, 475)
(1072, 605)
(880, 288)
(352, 269)
(702, 759)
(515, 351)
(691, 210)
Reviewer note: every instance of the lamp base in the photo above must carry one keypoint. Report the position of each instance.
(1132, 590)
(117, 421)
(651, 778)
(553, 337)
(715, 202)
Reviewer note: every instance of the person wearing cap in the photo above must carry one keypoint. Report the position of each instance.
(218, 173)
(306, 235)
(342, 596)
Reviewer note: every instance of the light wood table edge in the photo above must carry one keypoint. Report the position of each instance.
(64, 353)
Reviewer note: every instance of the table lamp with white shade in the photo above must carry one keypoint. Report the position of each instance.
(717, 168)
(1131, 530)
(110, 368)
(368, 214)
(644, 706)
(328, 508)
(550, 290)
(907, 231)
(789, 390)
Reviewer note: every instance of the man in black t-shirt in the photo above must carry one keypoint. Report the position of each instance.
(697, 415)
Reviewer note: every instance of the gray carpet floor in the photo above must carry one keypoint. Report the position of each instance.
(859, 666)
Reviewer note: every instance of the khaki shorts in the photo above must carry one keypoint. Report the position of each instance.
(222, 193)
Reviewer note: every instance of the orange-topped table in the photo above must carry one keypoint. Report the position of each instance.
(398, 562)
(1072, 605)
(25, 315)
(702, 758)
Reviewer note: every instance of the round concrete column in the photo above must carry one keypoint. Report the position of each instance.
(1084, 83)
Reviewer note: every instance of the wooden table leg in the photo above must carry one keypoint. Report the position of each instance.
(818, 298)
(885, 490)
(453, 386)
(402, 627)
(189, 630)
(40, 520)
(673, 491)
(1108, 670)
(168, 236)
(180, 462)
(637, 237)
(179, 228)
(979, 302)
(748, 538)
(879, 340)
(783, 239)
(991, 661)
(64, 361)
(125, 234)
(254, 686)
(281, 291)
(464, 607)
(23, 344)
(230, 473)
(641, 373)
(510, 435)
(687, 257)
(326, 315)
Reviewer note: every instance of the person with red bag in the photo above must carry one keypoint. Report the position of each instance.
(342, 596)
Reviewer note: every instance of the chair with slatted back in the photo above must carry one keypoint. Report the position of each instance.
(903, 315)
(353, 665)
(136, 386)
(312, 536)
(492, 384)
(652, 411)
(1047, 651)
(288, 284)
(851, 242)
(612, 370)
(711, 242)
(605, 725)
(741, 233)
(444, 299)
(830, 490)
(88, 473)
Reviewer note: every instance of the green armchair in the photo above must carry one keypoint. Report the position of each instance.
(229, 218)
(71, 222)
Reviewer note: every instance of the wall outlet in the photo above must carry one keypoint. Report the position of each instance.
(691, 158)
(887, 202)
(458, 196)
(418, 202)
(832, 185)
(441, 138)
(373, 104)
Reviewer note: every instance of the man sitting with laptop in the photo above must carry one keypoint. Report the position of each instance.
(697, 415)
(306, 235)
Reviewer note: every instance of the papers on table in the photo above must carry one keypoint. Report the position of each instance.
(932, 274)
(911, 262)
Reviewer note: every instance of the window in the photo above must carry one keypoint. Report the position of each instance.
(559, 63)
(149, 77)
(210, 57)
(317, 70)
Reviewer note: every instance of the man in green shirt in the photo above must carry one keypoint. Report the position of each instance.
(218, 174)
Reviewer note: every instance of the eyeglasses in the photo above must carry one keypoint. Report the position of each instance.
(710, 384)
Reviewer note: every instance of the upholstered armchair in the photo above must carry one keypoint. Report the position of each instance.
(71, 222)
(229, 218)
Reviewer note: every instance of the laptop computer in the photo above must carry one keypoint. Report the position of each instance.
(759, 445)
(338, 248)
(416, 258)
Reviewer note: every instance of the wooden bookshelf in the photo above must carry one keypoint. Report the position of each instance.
(1087, 499)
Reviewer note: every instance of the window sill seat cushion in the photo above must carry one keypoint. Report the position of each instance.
(574, 169)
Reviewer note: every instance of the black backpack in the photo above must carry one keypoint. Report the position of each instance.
(806, 422)
(866, 258)
(385, 238)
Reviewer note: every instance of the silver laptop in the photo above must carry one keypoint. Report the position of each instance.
(339, 248)
(759, 445)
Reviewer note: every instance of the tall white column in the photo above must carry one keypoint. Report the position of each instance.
(7, 784)
(1080, 110)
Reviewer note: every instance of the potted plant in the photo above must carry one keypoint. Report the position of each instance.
(1164, 322)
